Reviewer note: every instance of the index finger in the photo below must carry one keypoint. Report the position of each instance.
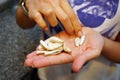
(40, 61)
(73, 17)
(62, 16)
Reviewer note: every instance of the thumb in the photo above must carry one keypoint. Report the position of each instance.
(78, 63)
(83, 58)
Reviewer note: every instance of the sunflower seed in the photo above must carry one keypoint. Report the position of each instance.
(52, 45)
(82, 40)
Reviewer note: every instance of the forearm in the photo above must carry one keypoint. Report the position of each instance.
(22, 20)
(111, 50)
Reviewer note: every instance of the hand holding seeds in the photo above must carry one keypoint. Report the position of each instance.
(90, 49)
(54, 45)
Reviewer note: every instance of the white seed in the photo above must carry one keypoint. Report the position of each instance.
(51, 52)
(77, 41)
(52, 45)
(40, 47)
(54, 39)
(57, 51)
(82, 40)
(40, 52)
(66, 49)
(43, 44)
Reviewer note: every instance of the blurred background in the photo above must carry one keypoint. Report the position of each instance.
(15, 43)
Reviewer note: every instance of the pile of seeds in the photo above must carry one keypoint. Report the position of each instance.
(54, 45)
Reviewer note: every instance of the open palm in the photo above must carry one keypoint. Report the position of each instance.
(90, 49)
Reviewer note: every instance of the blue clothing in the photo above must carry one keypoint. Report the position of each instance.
(96, 13)
(101, 15)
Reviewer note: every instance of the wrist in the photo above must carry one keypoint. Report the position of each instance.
(104, 45)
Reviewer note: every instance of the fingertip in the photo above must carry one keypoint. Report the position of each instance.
(70, 31)
(28, 62)
(43, 26)
(54, 24)
(80, 33)
(76, 69)
(77, 64)
(78, 30)
(45, 29)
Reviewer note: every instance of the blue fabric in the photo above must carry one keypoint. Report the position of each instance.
(95, 12)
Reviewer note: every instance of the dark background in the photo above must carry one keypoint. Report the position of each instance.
(15, 43)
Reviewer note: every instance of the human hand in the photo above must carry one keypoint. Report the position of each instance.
(51, 10)
(90, 49)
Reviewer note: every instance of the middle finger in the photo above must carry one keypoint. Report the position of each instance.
(62, 16)
(48, 13)
(73, 18)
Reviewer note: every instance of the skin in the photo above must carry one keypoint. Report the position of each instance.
(52, 11)
(92, 47)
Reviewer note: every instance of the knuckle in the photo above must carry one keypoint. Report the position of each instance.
(72, 16)
(65, 18)
(30, 14)
(35, 15)
(49, 12)
(71, 31)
